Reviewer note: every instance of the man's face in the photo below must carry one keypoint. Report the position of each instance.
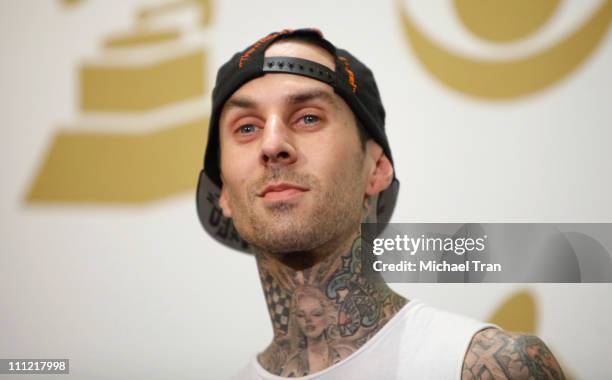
(291, 161)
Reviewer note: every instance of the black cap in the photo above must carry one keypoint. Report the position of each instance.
(351, 80)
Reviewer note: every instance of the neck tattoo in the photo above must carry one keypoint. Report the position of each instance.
(323, 313)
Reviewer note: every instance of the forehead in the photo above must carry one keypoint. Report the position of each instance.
(274, 90)
(285, 86)
(309, 301)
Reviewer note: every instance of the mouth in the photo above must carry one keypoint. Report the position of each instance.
(282, 191)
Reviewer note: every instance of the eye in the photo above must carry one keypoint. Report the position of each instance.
(310, 119)
(246, 129)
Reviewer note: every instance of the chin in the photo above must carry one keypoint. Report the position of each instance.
(286, 243)
(286, 236)
(284, 227)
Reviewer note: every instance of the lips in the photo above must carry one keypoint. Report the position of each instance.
(282, 191)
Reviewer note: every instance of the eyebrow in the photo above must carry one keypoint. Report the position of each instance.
(293, 99)
(240, 102)
(306, 96)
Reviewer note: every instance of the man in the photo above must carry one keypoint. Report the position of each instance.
(297, 159)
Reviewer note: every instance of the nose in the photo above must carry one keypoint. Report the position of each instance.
(277, 148)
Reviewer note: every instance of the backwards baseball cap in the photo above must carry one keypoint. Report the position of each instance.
(351, 80)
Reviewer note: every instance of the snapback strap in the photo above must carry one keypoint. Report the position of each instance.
(299, 66)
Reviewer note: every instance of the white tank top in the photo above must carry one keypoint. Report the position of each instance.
(419, 342)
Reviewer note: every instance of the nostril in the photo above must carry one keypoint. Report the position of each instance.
(283, 155)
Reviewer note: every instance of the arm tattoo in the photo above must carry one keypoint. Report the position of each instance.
(496, 354)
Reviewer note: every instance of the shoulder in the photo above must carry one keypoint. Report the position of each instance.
(497, 354)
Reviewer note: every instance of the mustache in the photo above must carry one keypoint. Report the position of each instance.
(283, 175)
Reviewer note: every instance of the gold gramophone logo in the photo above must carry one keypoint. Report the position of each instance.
(502, 21)
(143, 113)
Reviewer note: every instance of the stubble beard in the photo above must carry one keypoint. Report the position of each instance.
(287, 227)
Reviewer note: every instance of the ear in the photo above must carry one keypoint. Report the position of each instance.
(224, 203)
(380, 172)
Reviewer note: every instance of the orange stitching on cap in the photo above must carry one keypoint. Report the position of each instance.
(351, 75)
(258, 44)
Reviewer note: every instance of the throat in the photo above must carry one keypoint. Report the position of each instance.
(321, 312)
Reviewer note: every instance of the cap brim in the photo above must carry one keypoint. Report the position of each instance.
(211, 215)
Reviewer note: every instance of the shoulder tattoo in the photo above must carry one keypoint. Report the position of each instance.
(496, 354)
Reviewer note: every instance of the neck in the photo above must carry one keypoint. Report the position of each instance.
(354, 306)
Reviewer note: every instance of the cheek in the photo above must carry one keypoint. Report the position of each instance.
(319, 321)
(328, 154)
(334, 161)
(236, 172)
